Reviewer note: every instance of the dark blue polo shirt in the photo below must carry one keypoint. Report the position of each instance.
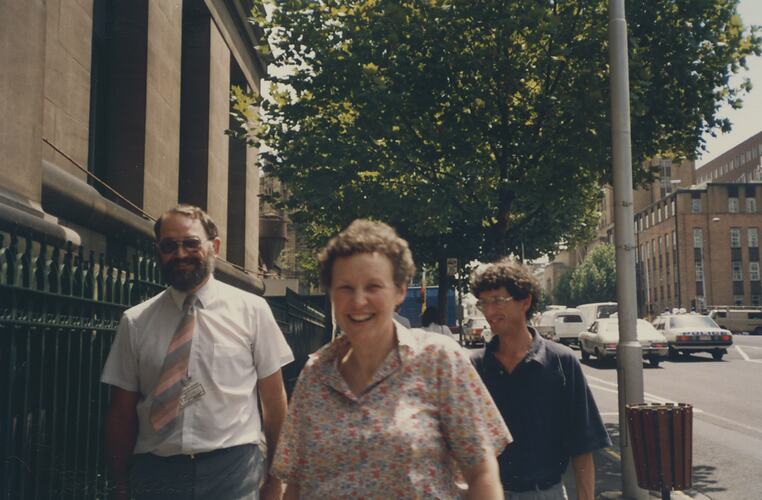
(547, 406)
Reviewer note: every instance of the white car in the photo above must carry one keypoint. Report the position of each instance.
(561, 325)
(476, 331)
(688, 333)
(602, 338)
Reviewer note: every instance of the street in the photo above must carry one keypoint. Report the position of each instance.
(727, 422)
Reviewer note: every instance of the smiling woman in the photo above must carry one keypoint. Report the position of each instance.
(380, 410)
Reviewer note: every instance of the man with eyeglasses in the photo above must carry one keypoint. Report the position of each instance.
(187, 369)
(540, 389)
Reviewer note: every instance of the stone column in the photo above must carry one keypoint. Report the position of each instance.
(22, 59)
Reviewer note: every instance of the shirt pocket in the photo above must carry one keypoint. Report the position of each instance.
(232, 366)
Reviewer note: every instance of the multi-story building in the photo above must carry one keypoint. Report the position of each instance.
(699, 247)
(114, 111)
(741, 163)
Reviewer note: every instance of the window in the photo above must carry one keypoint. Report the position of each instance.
(755, 300)
(696, 205)
(673, 207)
(699, 271)
(736, 272)
(658, 214)
(698, 238)
(735, 238)
(752, 237)
(652, 217)
(751, 205)
(738, 300)
(754, 271)
(733, 205)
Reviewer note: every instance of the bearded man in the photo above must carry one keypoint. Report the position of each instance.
(187, 368)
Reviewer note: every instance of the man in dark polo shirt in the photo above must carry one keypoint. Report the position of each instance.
(540, 390)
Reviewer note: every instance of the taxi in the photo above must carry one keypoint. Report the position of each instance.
(687, 333)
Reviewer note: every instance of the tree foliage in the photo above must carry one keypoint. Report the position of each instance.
(477, 126)
(592, 281)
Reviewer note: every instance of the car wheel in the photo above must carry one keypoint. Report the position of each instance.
(654, 361)
(585, 355)
(757, 331)
(717, 355)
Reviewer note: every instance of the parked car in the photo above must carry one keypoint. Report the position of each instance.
(688, 333)
(602, 339)
(596, 310)
(738, 319)
(561, 325)
(475, 330)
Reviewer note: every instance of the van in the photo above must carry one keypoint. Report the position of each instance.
(561, 325)
(739, 319)
(597, 310)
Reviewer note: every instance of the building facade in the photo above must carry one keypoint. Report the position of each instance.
(114, 111)
(699, 248)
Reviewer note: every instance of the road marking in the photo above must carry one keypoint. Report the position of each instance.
(650, 398)
(743, 354)
(746, 356)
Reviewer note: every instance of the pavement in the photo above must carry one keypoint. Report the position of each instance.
(608, 475)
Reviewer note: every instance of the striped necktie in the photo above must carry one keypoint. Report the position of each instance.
(166, 395)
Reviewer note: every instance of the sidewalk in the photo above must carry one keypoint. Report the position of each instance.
(608, 475)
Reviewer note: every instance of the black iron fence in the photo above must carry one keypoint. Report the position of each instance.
(59, 309)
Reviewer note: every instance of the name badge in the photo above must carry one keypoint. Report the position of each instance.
(191, 393)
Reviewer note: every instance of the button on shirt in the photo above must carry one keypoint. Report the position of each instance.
(547, 405)
(236, 342)
(424, 407)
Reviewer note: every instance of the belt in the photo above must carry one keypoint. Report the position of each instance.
(197, 456)
(519, 486)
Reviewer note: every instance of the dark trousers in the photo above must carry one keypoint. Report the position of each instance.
(227, 474)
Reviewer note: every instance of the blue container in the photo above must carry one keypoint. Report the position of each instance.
(411, 306)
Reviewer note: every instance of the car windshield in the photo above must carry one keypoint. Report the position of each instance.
(606, 311)
(569, 318)
(692, 321)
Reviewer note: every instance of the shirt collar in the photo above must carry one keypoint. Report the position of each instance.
(325, 359)
(205, 294)
(537, 349)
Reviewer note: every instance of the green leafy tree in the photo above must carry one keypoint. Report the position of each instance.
(562, 293)
(595, 279)
(477, 126)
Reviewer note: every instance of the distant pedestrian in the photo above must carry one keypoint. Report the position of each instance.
(400, 318)
(381, 412)
(429, 322)
(185, 368)
(540, 389)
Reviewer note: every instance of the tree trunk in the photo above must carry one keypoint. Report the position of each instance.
(442, 296)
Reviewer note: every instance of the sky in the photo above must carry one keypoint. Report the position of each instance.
(748, 120)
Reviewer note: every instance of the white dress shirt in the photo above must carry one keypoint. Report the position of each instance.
(236, 342)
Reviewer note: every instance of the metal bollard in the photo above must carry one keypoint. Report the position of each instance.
(662, 445)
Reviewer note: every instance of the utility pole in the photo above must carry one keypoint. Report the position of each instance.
(629, 353)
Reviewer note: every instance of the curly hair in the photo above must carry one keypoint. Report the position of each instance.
(192, 212)
(513, 276)
(366, 236)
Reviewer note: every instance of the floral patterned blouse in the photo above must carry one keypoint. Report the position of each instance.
(425, 406)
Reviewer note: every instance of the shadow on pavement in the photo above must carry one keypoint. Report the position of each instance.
(608, 475)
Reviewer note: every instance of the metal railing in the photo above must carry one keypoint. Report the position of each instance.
(59, 309)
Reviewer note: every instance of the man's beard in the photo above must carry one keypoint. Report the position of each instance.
(190, 277)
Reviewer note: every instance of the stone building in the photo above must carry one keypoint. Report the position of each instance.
(115, 110)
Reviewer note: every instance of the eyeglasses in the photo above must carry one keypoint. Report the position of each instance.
(494, 301)
(169, 246)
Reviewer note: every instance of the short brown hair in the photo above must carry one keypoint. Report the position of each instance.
(513, 276)
(192, 212)
(366, 236)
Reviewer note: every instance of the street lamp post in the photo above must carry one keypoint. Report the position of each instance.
(629, 352)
